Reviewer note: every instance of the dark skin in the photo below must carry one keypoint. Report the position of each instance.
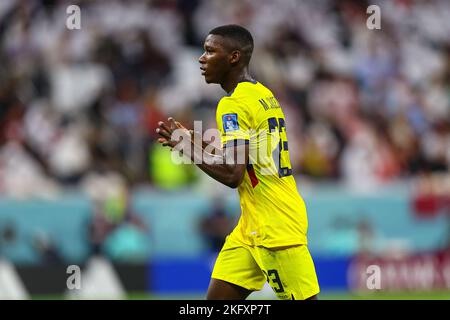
(222, 63)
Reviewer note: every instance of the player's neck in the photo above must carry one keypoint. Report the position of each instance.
(234, 78)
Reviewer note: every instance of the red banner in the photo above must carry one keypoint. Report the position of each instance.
(421, 272)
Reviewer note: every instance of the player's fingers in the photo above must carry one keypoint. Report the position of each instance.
(169, 144)
(179, 125)
(173, 123)
(163, 133)
(163, 126)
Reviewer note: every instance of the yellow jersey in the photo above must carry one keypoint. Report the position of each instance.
(273, 213)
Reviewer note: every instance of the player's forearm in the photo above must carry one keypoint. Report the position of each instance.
(222, 173)
(216, 166)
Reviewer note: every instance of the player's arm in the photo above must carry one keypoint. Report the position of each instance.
(227, 167)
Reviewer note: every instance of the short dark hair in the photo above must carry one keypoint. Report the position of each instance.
(241, 38)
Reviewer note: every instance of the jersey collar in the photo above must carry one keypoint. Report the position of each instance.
(253, 81)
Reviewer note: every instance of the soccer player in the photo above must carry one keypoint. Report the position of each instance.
(269, 242)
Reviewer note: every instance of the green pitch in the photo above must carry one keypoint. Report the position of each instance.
(433, 295)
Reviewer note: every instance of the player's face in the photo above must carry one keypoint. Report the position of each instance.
(214, 62)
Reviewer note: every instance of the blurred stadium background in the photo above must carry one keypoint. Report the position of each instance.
(82, 181)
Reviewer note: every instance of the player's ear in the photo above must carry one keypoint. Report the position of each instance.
(235, 56)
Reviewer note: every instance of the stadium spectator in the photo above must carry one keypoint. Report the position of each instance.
(8, 237)
(215, 226)
(46, 249)
(116, 232)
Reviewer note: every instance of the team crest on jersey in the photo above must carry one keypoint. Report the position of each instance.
(230, 122)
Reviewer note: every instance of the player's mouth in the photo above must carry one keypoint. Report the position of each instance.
(203, 70)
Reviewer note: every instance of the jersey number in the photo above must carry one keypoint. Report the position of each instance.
(274, 125)
(274, 280)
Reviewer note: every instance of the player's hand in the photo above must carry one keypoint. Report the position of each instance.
(166, 131)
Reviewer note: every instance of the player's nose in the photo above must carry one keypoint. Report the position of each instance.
(202, 59)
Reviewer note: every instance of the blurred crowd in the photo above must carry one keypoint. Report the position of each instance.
(78, 108)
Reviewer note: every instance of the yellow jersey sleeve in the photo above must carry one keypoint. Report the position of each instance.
(233, 121)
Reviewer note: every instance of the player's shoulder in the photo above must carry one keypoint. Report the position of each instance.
(250, 89)
(245, 99)
(245, 92)
(228, 102)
